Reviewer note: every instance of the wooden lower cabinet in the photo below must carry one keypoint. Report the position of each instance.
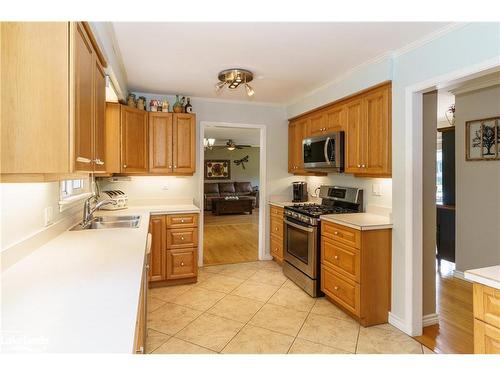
(486, 319)
(174, 250)
(356, 271)
(276, 233)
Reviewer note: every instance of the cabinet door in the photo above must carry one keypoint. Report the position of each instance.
(160, 142)
(354, 137)
(377, 133)
(100, 117)
(84, 94)
(300, 134)
(158, 230)
(184, 126)
(134, 140)
(113, 138)
(317, 124)
(291, 147)
(335, 119)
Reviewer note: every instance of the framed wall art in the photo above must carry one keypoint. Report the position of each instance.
(482, 139)
(217, 169)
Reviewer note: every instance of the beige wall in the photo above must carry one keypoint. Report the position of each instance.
(477, 187)
(429, 117)
(251, 171)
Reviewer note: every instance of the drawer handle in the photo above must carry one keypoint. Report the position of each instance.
(336, 257)
(336, 287)
(182, 264)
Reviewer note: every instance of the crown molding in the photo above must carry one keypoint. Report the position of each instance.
(478, 85)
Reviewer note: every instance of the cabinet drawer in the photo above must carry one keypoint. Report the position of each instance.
(181, 263)
(182, 221)
(345, 260)
(487, 304)
(277, 226)
(486, 338)
(277, 247)
(340, 289)
(276, 211)
(342, 234)
(182, 238)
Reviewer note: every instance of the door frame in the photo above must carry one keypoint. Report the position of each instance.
(412, 324)
(262, 183)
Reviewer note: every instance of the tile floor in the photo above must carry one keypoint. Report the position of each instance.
(253, 308)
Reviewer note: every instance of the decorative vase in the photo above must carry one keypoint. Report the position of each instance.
(131, 100)
(165, 105)
(178, 108)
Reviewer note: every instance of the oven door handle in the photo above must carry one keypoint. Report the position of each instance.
(306, 229)
(327, 159)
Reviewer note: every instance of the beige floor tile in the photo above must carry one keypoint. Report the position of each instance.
(301, 346)
(199, 298)
(154, 339)
(154, 303)
(256, 340)
(210, 331)
(204, 275)
(324, 307)
(295, 299)
(337, 333)
(269, 277)
(386, 340)
(236, 308)
(258, 291)
(280, 319)
(170, 318)
(169, 293)
(268, 265)
(177, 346)
(221, 283)
(214, 269)
(241, 271)
(291, 285)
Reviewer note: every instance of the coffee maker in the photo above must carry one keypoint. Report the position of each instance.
(299, 191)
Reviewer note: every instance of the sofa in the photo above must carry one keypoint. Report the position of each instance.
(223, 189)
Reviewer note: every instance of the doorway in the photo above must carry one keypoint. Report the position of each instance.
(452, 187)
(232, 187)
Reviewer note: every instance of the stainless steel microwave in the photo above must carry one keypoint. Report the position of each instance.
(324, 153)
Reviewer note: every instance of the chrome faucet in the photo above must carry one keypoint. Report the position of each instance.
(88, 210)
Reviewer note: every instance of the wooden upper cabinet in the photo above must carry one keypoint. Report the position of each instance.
(134, 140)
(113, 138)
(184, 143)
(84, 94)
(291, 146)
(160, 142)
(100, 118)
(158, 230)
(335, 119)
(377, 133)
(317, 124)
(297, 131)
(34, 88)
(354, 137)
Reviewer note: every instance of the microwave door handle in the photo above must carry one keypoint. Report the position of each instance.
(325, 150)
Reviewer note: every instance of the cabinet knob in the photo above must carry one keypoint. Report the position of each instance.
(336, 233)
(175, 166)
(182, 263)
(359, 165)
(170, 166)
(182, 220)
(336, 287)
(124, 165)
(276, 249)
(182, 238)
(336, 257)
(363, 166)
(276, 229)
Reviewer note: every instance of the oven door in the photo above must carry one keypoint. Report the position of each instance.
(301, 247)
(324, 152)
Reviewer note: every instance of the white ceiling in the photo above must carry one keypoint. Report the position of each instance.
(288, 59)
(241, 136)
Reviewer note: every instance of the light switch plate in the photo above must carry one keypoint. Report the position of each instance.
(164, 187)
(376, 190)
(49, 215)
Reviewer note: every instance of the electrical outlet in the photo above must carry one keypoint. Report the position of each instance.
(376, 190)
(164, 187)
(49, 215)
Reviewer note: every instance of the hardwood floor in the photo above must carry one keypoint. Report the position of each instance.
(230, 238)
(454, 333)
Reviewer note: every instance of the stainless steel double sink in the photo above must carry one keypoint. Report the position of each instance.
(106, 222)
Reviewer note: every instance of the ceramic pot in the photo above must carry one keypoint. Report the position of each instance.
(178, 108)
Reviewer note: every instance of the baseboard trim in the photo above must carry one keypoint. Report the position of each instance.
(430, 320)
(399, 323)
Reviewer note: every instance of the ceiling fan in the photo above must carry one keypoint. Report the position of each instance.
(232, 146)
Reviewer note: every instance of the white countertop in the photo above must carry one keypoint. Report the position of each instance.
(360, 221)
(79, 292)
(489, 276)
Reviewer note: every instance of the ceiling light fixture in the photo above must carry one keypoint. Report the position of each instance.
(233, 78)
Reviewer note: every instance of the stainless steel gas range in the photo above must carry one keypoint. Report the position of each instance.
(302, 236)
